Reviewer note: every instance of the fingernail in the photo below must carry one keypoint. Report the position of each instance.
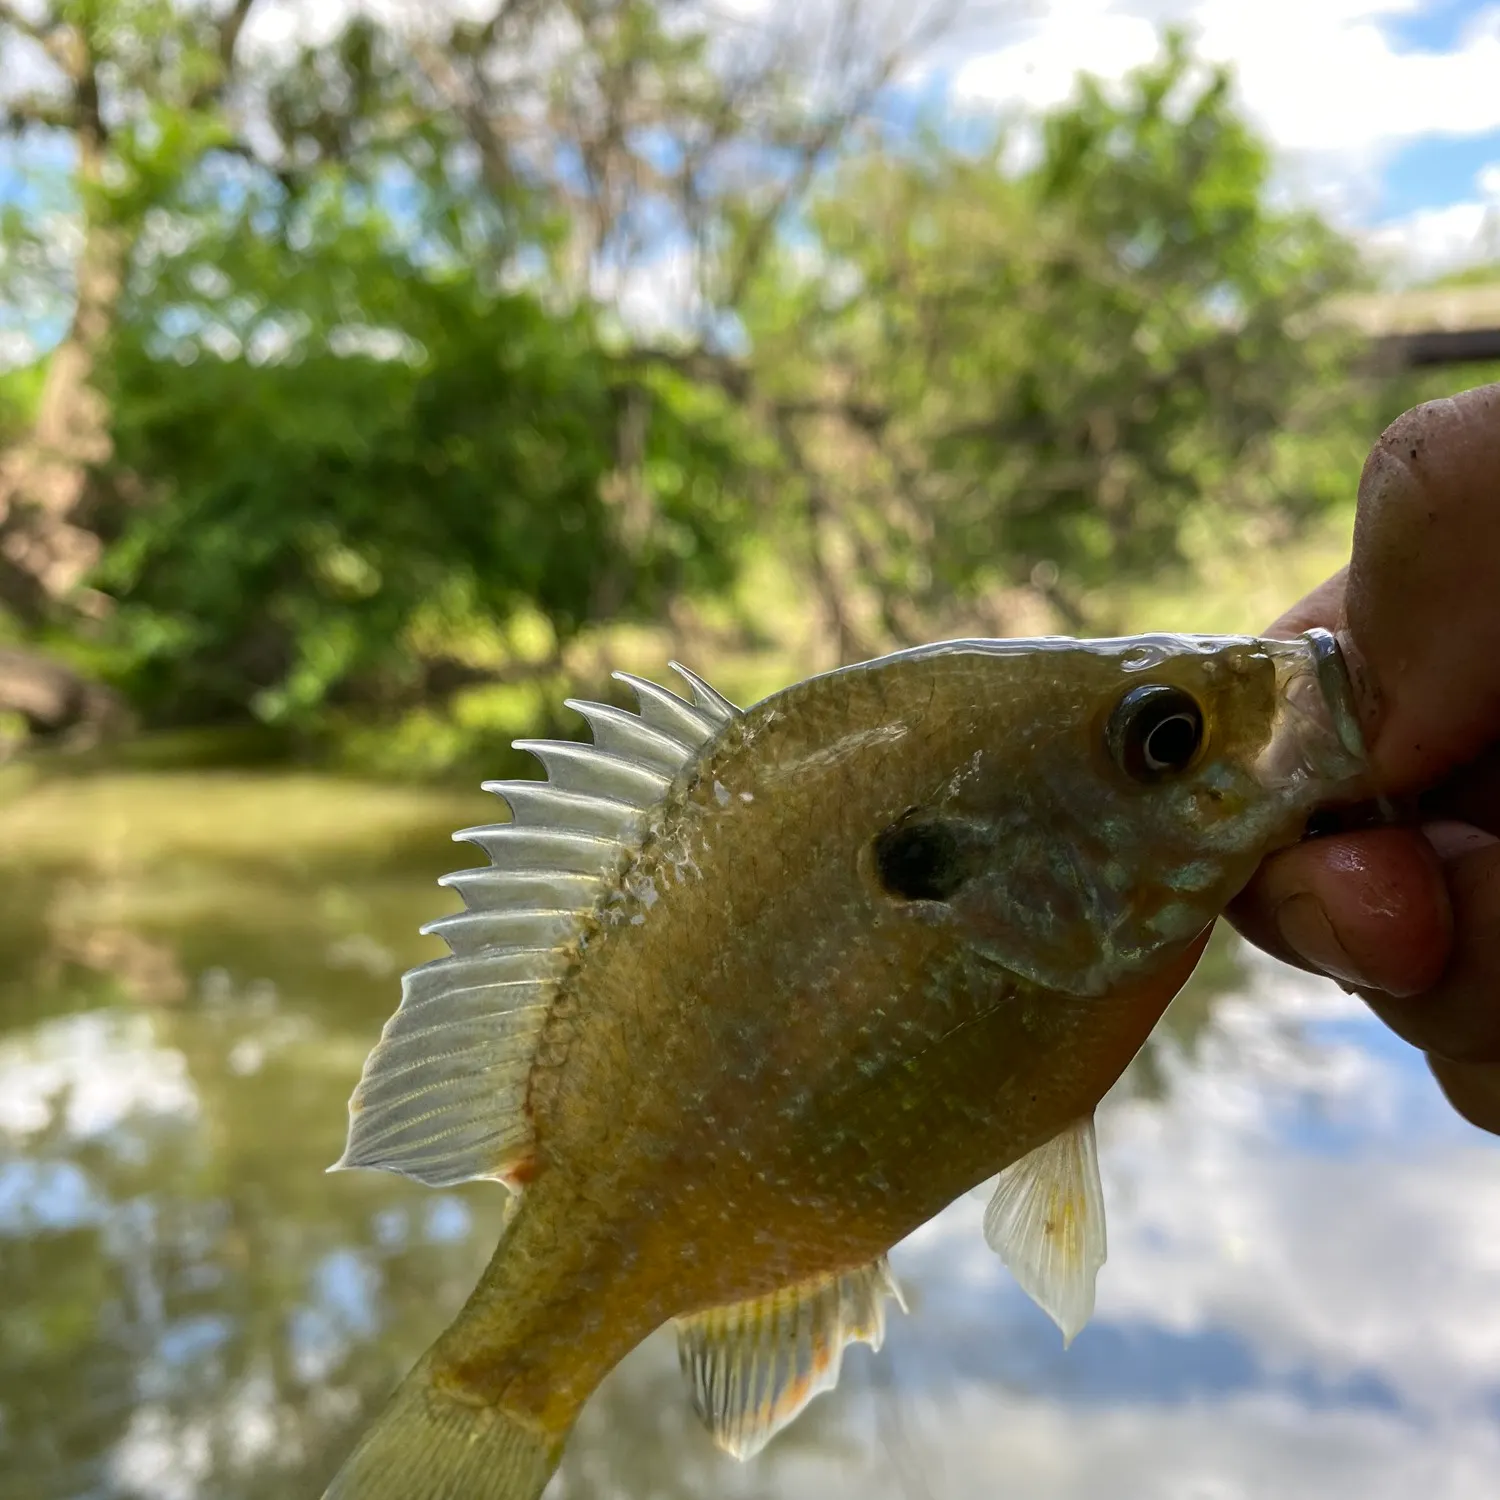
(1452, 840)
(1306, 930)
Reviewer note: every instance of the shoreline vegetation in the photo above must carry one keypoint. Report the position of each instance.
(396, 385)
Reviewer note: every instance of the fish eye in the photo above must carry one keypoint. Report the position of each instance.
(1155, 731)
(920, 861)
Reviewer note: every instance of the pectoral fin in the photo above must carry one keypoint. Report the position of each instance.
(1046, 1222)
(752, 1366)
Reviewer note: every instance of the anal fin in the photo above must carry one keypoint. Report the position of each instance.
(1046, 1222)
(752, 1366)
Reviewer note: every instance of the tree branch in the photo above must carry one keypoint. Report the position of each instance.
(288, 178)
(82, 66)
(230, 27)
(834, 127)
(441, 74)
(847, 640)
(738, 381)
(63, 43)
(489, 33)
(733, 378)
(37, 31)
(37, 109)
(52, 696)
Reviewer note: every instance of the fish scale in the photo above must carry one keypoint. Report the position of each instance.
(745, 997)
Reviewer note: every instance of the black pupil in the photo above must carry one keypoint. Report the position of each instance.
(1172, 742)
(920, 861)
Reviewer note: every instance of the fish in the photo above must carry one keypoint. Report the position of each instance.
(744, 997)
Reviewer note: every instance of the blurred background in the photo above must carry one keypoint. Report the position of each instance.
(374, 375)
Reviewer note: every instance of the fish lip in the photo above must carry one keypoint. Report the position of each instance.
(1316, 750)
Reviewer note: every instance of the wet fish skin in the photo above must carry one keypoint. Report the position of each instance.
(760, 1065)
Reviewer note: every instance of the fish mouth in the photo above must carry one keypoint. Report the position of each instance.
(1315, 749)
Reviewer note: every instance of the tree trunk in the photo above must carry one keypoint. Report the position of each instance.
(54, 699)
(45, 553)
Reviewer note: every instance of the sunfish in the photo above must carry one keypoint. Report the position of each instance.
(746, 996)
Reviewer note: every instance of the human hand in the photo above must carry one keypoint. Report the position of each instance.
(1409, 916)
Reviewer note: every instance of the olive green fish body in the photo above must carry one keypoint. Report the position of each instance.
(890, 931)
(770, 1002)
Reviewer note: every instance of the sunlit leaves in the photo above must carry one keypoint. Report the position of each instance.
(306, 508)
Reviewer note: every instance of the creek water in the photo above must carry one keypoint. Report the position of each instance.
(1302, 1297)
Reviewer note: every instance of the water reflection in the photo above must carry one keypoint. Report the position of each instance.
(1302, 1298)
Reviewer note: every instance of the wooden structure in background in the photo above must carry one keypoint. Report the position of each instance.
(1438, 326)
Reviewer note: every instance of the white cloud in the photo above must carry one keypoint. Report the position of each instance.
(1319, 75)
(1434, 240)
(90, 1073)
(17, 348)
(1323, 78)
(1039, 67)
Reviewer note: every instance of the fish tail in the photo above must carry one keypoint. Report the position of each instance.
(429, 1443)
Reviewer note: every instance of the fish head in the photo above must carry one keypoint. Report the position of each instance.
(1118, 794)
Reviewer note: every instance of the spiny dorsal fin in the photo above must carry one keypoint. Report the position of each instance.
(751, 1367)
(443, 1094)
(1046, 1222)
(709, 702)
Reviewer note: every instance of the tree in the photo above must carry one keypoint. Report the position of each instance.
(128, 86)
(1032, 380)
(355, 514)
(260, 213)
(133, 86)
(371, 380)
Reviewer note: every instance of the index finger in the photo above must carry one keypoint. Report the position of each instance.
(1323, 607)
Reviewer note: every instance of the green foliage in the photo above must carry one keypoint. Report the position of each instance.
(355, 439)
(366, 478)
(1487, 273)
(1071, 358)
(19, 390)
(388, 465)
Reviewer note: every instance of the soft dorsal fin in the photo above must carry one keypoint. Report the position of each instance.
(751, 1367)
(443, 1094)
(1046, 1222)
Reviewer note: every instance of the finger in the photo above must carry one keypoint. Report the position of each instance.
(1323, 607)
(1422, 632)
(1368, 908)
(1458, 1018)
(1470, 795)
(1473, 1089)
(1382, 890)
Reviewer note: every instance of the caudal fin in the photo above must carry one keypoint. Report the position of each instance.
(425, 1445)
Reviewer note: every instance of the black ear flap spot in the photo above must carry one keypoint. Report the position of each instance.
(920, 860)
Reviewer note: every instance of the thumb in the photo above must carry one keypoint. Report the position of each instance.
(1422, 599)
